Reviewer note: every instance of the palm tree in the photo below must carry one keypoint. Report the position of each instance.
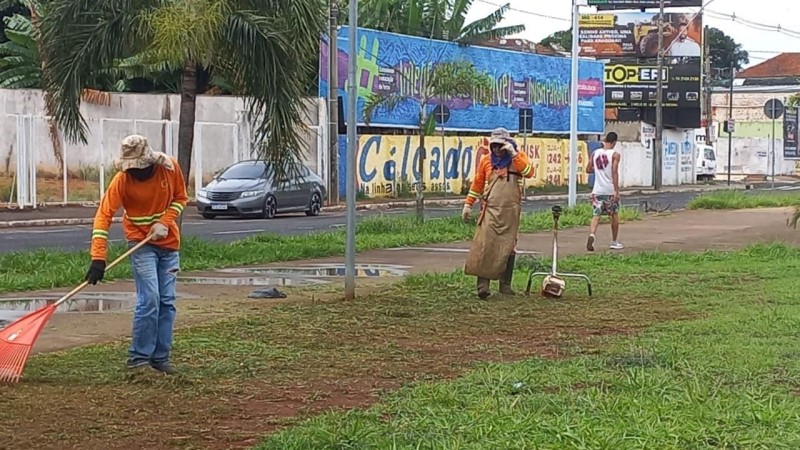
(266, 48)
(443, 81)
(435, 19)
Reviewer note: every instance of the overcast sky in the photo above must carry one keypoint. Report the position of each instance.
(761, 43)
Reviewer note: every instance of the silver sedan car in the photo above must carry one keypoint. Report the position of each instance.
(248, 188)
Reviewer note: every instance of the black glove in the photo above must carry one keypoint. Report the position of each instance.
(97, 269)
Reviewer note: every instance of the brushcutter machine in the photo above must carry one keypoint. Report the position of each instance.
(554, 284)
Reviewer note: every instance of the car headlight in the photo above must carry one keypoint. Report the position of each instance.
(202, 193)
(248, 194)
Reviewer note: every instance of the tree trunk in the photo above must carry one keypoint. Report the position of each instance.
(187, 118)
(420, 201)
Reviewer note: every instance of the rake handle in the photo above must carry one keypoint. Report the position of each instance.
(83, 285)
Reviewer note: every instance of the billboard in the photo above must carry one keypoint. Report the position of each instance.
(635, 85)
(393, 63)
(639, 4)
(790, 122)
(635, 34)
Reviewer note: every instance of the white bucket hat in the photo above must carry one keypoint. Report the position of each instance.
(135, 153)
(500, 136)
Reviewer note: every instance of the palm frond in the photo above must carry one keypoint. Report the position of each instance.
(375, 102)
(186, 30)
(80, 37)
(491, 35)
(457, 79)
(485, 28)
(458, 16)
(267, 56)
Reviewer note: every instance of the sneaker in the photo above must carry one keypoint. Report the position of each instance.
(164, 367)
(590, 243)
(616, 246)
(134, 364)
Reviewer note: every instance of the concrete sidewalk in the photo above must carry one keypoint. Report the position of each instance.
(83, 214)
(685, 231)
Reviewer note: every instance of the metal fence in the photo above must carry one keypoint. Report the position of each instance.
(38, 172)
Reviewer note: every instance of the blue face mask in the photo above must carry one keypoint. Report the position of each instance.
(501, 160)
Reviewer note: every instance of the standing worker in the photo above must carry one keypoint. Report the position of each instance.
(151, 189)
(604, 163)
(497, 183)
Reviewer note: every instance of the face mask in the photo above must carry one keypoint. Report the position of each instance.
(142, 174)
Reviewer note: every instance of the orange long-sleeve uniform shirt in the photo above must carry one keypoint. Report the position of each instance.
(519, 163)
(161, 198)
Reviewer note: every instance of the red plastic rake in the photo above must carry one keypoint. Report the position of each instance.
(17, 339)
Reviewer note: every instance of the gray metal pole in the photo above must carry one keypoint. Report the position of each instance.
(572, 197)
(658, 148)
(730, 117)
(333, 104)
(444, 158)
(773, 144)
(352, 143)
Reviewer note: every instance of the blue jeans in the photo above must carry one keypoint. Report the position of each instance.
(155, 272)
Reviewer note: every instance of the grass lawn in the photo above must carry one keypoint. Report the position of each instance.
(43, 269)
(674, 351)
(730, 378)
(742, 200)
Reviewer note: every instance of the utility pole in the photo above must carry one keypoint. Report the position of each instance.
(352, 144)
(730, 124)
(658, 148)
(707, 84)
(333, 103)
(572, 197)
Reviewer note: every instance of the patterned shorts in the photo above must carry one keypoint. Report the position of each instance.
(604, 205)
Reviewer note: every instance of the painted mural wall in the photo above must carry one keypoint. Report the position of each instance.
(398, 65)
(387, 166)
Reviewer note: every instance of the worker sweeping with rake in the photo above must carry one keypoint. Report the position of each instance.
(498, 184)
(151, 189)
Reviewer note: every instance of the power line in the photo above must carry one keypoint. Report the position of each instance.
(544, 16)
(754, 25)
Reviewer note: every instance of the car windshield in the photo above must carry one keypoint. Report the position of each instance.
(244, 171)
(709, 154)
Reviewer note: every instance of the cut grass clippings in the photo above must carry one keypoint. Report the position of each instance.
(716, 369)
(727, 380)
(742, 200)
(43, 269)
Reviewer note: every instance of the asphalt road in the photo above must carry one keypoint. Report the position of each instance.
(226, 230)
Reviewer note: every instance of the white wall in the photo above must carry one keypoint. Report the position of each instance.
(753, 156)
(222, 134)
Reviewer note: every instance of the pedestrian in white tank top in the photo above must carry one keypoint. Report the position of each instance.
(604, 163)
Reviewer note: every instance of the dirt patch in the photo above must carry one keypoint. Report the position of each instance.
(341, 367)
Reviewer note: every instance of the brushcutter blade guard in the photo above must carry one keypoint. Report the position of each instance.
(553, 286)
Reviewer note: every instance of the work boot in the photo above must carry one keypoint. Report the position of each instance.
(164, 367)
(483, 288)
(508, 275)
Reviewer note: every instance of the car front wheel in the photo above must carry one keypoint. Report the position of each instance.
(315, 205)
(270, 208)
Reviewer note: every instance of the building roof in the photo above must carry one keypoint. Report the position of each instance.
(520, 45)
(785, 65)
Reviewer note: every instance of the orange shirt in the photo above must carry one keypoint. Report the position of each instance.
(520, 163)
(162, 199)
